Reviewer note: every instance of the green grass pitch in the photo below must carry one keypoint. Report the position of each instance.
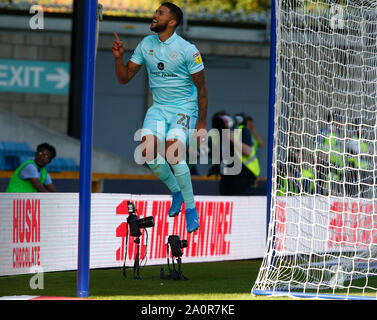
(227, 280)
(230, 280)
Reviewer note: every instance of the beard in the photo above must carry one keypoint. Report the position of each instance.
(159, 28)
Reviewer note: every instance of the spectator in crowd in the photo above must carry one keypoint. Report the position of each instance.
(330, 158)
(297, 176)
(257, 139)
(32, 176)
(359, 161)
(305, 174)
(219, 122)
(242, 148)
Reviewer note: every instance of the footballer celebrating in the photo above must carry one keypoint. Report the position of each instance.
(180, 101)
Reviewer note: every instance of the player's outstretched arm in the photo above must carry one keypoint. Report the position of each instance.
(123, 72)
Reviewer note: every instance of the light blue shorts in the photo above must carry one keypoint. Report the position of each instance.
(171, 122)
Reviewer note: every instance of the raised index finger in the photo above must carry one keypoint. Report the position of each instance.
(116, 36)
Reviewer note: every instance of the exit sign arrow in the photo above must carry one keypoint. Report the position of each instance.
(61, 77)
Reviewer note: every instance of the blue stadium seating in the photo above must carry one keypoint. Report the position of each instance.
(10, 152)
(54, 165)
(71, 165)
(16, 148)
(62, 164)
(13, 154)
(2, 162)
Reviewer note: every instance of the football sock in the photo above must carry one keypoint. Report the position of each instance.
(161, 168)
(183, 177)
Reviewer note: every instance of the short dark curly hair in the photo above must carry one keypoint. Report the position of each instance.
(48, 147)
(175, 11)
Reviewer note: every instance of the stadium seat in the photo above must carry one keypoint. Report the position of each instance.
(2, 163)
(14, 153)
(54, 165)
(2, 158)
(10, 148)
(62, 164)
(24, 158)
(71, 165)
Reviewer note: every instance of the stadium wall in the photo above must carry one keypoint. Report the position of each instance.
(14, 128)
(54, 44)
(41, 231)
(50, 110)
(233, 57)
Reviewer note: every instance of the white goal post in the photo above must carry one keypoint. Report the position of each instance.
(322, 234)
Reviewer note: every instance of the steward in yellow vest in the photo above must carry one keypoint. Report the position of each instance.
(301, 183)
(251, 161)
(244, 151)
(32, 176)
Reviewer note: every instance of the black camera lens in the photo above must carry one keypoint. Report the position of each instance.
(146, 222)
(176, 245)
(183, 244)
(137, 224)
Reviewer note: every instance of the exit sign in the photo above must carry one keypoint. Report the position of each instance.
(31, 76)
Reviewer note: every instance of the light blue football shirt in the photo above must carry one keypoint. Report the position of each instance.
(169, 65)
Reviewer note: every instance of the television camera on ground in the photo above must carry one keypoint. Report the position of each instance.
(135, 224)
(176, 245)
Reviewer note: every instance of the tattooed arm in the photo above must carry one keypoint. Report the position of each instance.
(200, 83)
(123, 72)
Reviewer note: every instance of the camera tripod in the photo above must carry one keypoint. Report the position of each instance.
(137, 260)
(177, 275)
(173, 273)
(134, 226)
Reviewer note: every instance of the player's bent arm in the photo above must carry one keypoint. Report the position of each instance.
(125, 73)
(259, 139)
(38, 185)
(257, 136)
(50, 187)
(200, 83)
(244, 148)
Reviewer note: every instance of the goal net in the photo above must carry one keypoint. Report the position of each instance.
(322, 235)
